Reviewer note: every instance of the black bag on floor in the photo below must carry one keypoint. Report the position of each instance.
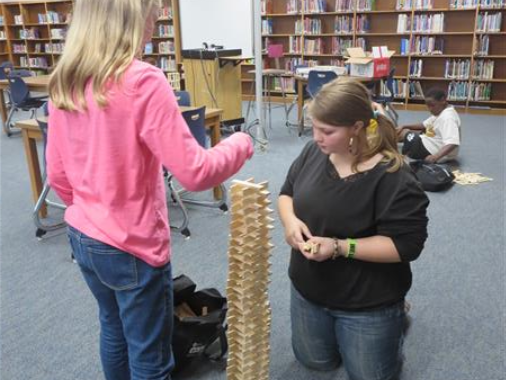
(433, 177)
(199, 323)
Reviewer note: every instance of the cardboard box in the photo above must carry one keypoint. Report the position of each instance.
(371, 65)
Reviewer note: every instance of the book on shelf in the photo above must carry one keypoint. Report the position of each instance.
(404, 49)
(463, 4)
(343, 24)
(415, 90)
(482, 45)
(458, 90)
(308, 26)
(340, 45)
(491, 4)
(425, 45)
(295, 45)
(314, 6)
(457, 68)
(148, 48)
(267, 26)
(399, 87)
(489, 22)
(18, 19)
(1, 20)
(363, 24)
(483, 69)
(313, 46)
(344, 6)
(365, 5)
(266, 7)
(403, 23)
(429, 23)
(480, 91)
(362, 43)
(165, 13)
(415, 68)
(293, 6)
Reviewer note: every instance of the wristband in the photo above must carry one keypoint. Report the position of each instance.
(352, 247)
(337, 251)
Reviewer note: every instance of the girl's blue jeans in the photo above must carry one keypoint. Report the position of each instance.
(135, 309)
(368, 343)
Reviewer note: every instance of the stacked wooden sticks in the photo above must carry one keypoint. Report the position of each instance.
(249, 315)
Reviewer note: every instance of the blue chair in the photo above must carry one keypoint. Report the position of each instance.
(315, 81)
(183, 98)
(43, 228)
(21, 100)
(195, 119)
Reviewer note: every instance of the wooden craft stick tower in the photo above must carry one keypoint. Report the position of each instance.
(249, 313)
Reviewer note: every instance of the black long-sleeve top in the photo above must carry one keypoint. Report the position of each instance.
(370, 203)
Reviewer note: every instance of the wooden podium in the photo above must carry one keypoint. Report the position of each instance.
(213, 79)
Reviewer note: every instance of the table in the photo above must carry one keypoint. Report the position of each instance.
(30, 132)
(37, 84)
(302, 81)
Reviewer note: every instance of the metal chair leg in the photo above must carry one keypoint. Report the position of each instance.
(183, 228)
(41, 227)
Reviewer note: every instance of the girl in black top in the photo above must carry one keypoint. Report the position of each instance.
(355, 216)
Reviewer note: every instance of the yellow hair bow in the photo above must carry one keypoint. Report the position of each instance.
(372, 127)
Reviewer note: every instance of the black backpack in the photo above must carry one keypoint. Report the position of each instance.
(199, 323)
(433, 177)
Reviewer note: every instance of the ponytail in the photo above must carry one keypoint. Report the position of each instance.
(379, 136)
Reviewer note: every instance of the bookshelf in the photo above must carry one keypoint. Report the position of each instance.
(32, 35)
(455, 45)
(35, 33)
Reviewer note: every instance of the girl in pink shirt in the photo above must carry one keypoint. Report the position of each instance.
(113, 123)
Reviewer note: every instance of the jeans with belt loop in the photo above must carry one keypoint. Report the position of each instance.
(368, 343)
(135, 309)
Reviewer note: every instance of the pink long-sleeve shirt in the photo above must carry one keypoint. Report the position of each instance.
(106, 164)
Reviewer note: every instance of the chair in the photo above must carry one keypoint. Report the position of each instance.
(196, 122)
(315, 81)
(274, 51)
(21, 100)
(183, 98)
(6, 69)
(387, 100)
(41, 227)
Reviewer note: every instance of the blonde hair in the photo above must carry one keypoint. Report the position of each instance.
(103, 39)
(344, 102)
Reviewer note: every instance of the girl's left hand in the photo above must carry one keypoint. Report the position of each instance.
(317, 248)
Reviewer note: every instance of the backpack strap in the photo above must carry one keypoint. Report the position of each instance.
(222, 337)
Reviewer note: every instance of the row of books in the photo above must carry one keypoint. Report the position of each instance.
(308, 26)
(365, 5)
(165, 13)
(293, 6)
(480, 91)
(166, 64)
(38, 62)
(52, 17)
(343, 24)
(58, 34)
(470, 4)
(415, 68)
(29, 34)
(423, 45)
(286, 84)
(363, 24)
(18, 19)
(2, 35)
(482, 45)
(314, 46)
(361, 42)
(54, 47)
(344, 5)
(165, 31)
(483, 69)
(340, 45)
(457, 68)
(164, 47)
(19, 48)
(1, 20)
(267, 26)
(403, 23)
(407, 5)
(489, 22)
(315, 6)
(433, 23)
(399, 87)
